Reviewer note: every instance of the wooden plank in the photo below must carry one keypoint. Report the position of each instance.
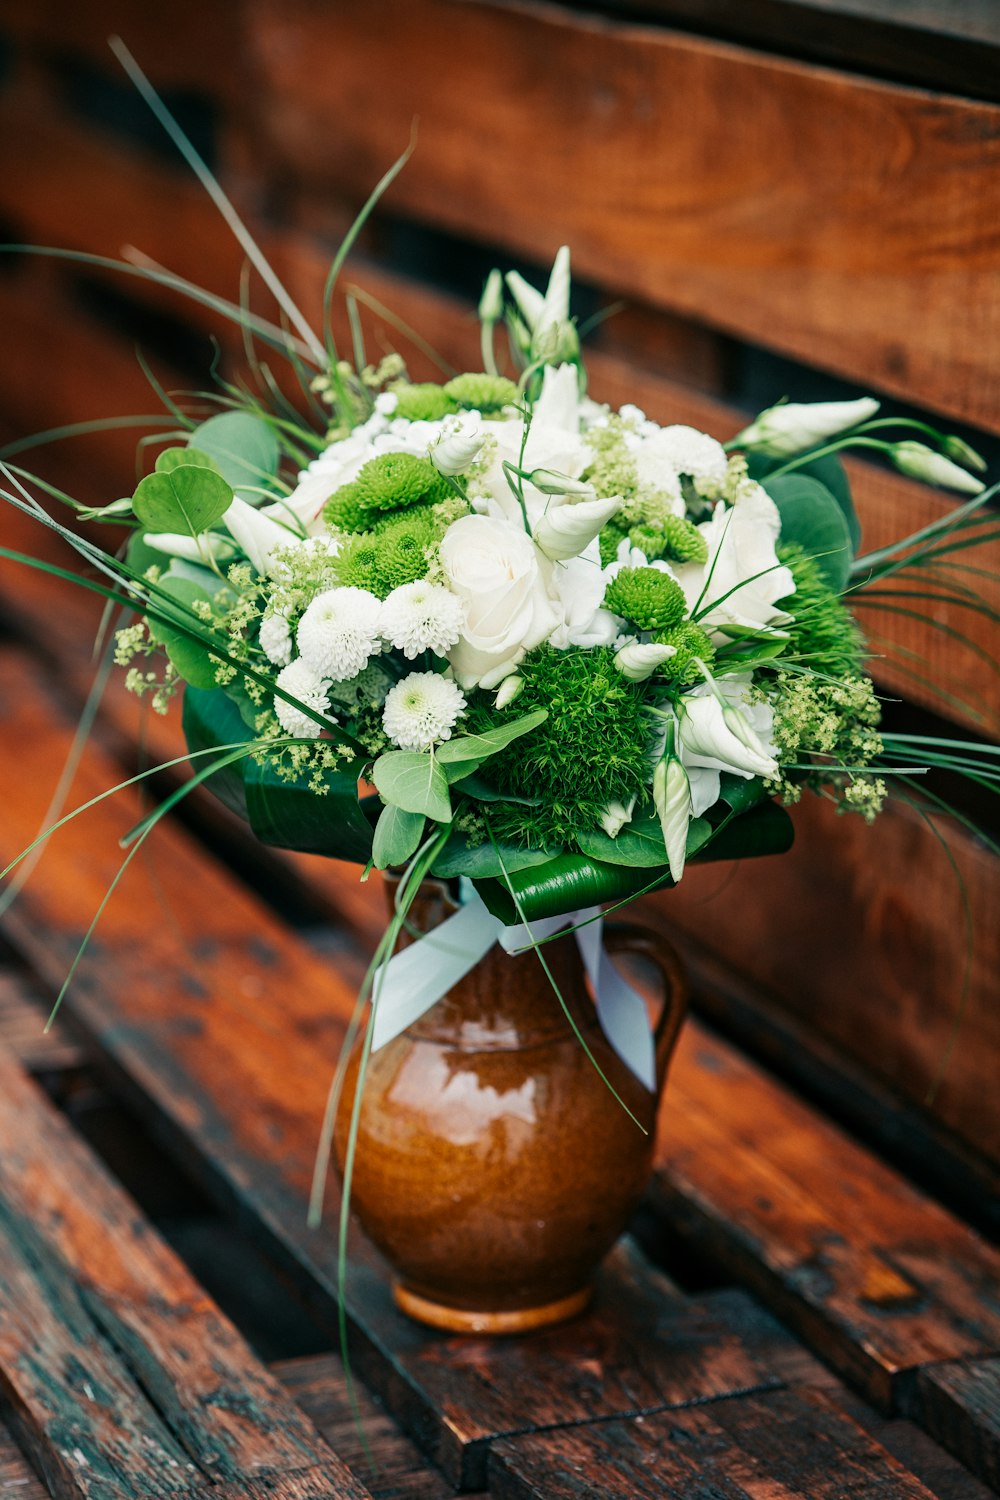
(17, 1480)
(960, 1404)
(780, 1444)
(22, 1021)
(658, 194)
(126, 1292)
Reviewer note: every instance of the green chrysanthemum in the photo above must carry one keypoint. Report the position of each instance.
(483, 392)
(425, 402)
(357, 563)
(344, 511)
(822, 630)
(610, 539)
(394, 553)
(678, 539)
(691, 642)
(394, 480)
(651, 600)
(591, 750)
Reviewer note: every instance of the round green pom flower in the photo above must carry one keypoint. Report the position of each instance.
(484, 392)
(692, 645)
(357, 564)
(396, 479)
(650, 599)
(425, 402)
(344, 511)
(402, 552)
(611, 537)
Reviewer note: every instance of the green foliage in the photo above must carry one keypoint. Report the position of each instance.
(828, 470)
(415, 782)
(243, 447)
(188, 499)
(424, 402)
(463, 754)
(175, 458)
(640, 843)
(693, 645)
(397, 837)
(487, 393)
(394, 480)
(192, 659)
(823, 630)
(649, 599)
(592, 749)
(811, 517)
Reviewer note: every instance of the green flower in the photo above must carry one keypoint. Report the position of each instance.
(651, 600)
(394, 480)
(425, 402)
(483, 392)
(344, 511)
(692, 645)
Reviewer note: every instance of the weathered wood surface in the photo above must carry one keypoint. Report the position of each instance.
(889, 277)
(875, 1277)
(960, 1405)
(119, 1373)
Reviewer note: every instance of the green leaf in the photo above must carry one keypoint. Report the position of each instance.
(192, 659)
(481, 861)
(180, 458)
(640, 844)
(397, 837)
(463, 754)
(740, 793)
(242, 446)
(828, 470)
(211, 719)
(188, 500)
(415, 782)
(811, 517)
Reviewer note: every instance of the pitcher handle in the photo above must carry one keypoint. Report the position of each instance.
(630, 937)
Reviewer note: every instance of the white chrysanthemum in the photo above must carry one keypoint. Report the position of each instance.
(421, 710)
(688, 451)
(338, 634)
(276, 639)
(299, 679)
(422, 616)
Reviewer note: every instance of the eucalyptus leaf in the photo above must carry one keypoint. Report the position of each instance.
(397, 837)
(243, 447)
(192, 659)
(472, 749)
(179, 458)
(811, 517)
(828, 470)
(187, 500)
(415, 782)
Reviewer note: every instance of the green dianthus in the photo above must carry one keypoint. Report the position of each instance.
(425, 402)
(394, 480)
(651, 600)
(591, 750)
(483, 392)
(822, 630)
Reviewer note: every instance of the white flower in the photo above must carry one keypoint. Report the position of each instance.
(495, 570)
(564, 530)
(741, 581)
(422, 616)
(459, 443)
(921, 462)
(681, 450)
(276, 639)
(792, 427)
(258, 534)
(615, 816)
(577, 586)
(303, 683)
(727, 732)
(386, 403)
(207, 548)
(637, 661)
(339, 633)
(672, 799)
(421, 710)
(554, 443)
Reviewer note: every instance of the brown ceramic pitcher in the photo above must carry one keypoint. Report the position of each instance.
(494, 1168)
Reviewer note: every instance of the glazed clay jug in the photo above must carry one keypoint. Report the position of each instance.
(494, 1168)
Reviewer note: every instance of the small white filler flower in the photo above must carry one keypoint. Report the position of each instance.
(421, 710)
(339, 633)
(422, 616)
(299, 679)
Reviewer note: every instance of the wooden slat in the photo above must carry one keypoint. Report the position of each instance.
(22, 1031)
(874, 1276)
(888, 276)
(782, 1445)
(95, 1299)
(960, 1405)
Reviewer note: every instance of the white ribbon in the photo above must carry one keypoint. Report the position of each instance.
(412, 981)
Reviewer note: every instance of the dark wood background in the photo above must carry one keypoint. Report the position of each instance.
(789, 196)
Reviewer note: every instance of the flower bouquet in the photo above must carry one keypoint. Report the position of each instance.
(492, 633)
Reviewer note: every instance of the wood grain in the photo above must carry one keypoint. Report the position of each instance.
(960, 1405)
(887, 277)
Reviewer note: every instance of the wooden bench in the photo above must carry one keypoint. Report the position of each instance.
(812, 1311)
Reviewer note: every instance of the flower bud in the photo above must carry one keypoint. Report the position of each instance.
(615, 816)
(956, 448)
(720, 737)
(672, 799)
(491, 302)
(551, 482)
(529, 302)
(512, 687)
(458, 445)
(918, 461)
(792, 427)
(637, 662)
(565, 530)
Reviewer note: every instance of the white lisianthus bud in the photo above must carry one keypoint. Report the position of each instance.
(459, 444)
(719, 736)
(511, 687)
(491, 302)
(958, 449)
(530, 303)
(259, 536)
(791, 427)
(637, 662)
(918, 461)
(551, 482)
(555, 308)
(563, 531)
(207, 548)
(672, 799)
(615, 816)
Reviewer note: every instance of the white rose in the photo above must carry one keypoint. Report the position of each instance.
(497, 572)
(741, 581)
